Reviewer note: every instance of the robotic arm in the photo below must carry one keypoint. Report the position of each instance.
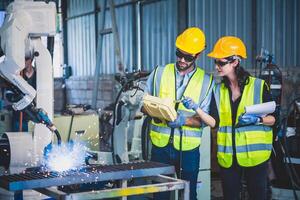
(25, 22)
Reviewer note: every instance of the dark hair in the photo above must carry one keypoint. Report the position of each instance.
(242, 76)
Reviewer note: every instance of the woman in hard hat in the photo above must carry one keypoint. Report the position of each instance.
(244, 141)
(177, 143)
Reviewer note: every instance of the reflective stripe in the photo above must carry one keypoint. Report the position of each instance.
(245, 148)
(160, 129)
(205, 87)
(254, 128)
(257, 90)
(225, 129)
(225, 149)
(156, 82)
(253, 147)
(188, 133)
(167, 131)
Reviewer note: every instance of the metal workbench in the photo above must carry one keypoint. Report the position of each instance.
(47, 182)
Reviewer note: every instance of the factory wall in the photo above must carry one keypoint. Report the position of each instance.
(271, 24)
(158, 27)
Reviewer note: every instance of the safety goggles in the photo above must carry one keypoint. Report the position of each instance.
(187, 57)
(223, 63)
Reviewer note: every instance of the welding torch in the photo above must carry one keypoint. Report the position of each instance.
(38, 115)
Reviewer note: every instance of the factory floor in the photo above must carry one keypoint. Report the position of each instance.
(216, 188)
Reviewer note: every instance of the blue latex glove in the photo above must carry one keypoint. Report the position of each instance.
(248, 119)
(189, 104)
(179, 121)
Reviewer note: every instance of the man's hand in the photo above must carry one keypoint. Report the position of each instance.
(189, 104)
(179, 121)
(248, 119)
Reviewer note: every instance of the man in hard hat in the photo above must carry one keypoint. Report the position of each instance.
(177, 143)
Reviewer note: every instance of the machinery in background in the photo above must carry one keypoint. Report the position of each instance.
(293, 131)
(286, 161)
(114, 136)
(5, 121)
(127, 118)
(286, 154)
(273, 77)
(21, 33)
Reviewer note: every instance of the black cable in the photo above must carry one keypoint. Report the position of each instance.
(180, 152)
(70, 127)
(57, 136)
(145, 138)
(114, 123)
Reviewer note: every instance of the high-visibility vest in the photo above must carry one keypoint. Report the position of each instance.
(164, 86)
(253, 143)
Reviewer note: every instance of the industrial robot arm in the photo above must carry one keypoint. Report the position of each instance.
(25, 21)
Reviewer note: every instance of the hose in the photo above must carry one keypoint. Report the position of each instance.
(57, 136)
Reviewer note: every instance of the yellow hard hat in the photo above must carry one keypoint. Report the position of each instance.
(191, 41)
(228, 46)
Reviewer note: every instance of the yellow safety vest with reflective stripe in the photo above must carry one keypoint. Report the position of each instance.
(253, 143)
(164, 86)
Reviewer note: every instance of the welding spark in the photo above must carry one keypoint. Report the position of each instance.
(65, 157)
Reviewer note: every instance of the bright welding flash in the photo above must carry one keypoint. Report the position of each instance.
(66, 157)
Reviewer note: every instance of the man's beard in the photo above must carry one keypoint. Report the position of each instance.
(180, 68)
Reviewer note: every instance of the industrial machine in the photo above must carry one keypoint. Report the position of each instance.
(127, 118)
(24, 25)
(21, 33)
(22, 153)
(109, 180)
(273, 77)
(286, 154)
(286, 158)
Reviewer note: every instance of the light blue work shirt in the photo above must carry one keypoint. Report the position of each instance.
(181, 83)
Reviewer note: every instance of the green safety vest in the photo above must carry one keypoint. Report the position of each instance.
(164, 86)
(253, 143)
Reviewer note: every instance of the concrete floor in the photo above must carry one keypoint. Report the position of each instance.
(216, 189)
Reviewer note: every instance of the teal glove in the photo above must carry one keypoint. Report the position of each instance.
(189, 104)
(179, 121)
(249, 119)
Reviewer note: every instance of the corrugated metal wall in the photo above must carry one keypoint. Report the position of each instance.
(276, 29)
(81, 37)
(159, 31)
(124, 24)
(279, 30)
(218, 18)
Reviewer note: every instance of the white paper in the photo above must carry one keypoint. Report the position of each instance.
(261, 109)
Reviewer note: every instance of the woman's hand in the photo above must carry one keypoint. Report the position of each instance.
(189, 104)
